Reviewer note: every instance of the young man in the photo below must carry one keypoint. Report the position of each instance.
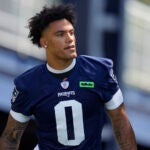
(68, 95)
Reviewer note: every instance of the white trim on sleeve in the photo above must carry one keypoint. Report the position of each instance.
(36, 148)
(19, 117)
(115, 102)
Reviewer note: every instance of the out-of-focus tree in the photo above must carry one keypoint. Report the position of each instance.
(145, 1)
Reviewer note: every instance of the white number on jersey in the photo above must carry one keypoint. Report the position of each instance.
(61, 123)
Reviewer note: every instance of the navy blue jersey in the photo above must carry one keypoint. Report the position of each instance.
(69, 112)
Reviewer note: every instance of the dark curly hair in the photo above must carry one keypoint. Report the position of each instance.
(47, 15)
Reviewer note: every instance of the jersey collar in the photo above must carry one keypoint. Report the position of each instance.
(70, 67)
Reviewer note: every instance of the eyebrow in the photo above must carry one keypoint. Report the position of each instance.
(63, 31)
(60, 31)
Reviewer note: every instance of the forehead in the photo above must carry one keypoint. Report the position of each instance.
(62, 24)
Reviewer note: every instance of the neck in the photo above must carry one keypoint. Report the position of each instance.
(59, 64)
(64, 70)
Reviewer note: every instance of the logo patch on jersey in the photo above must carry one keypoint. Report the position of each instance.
(86, 84)
(14, 95)
(64, 84)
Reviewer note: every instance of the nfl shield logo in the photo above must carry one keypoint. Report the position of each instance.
(65, 84)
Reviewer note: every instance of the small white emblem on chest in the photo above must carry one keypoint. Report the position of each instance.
(64, 84)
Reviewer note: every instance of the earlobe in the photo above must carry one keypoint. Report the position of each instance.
(45, 46)
(43, 43)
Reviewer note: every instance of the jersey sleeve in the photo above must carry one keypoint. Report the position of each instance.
(115, 102)
(20, 106)
(111, 93)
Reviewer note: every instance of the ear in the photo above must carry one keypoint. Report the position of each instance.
(43, 42)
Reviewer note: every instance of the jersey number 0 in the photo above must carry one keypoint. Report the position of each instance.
(61, 123)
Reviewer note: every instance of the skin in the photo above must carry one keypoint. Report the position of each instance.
(11, 136)
(59, 41)
(122, 128)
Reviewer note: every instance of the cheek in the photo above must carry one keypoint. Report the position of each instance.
(58, 44)
(74, 39)
(57, 48)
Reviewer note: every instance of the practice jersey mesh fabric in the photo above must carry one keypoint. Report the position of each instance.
(69, 112)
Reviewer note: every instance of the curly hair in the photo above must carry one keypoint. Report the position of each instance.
(41, 20)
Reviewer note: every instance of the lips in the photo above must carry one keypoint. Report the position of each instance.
(69, 47)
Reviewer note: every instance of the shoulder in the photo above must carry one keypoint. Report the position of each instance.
(96, 60)
(29, 76)
(95, 63)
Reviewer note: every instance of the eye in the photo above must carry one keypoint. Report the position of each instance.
(72, 32)
(60, 34)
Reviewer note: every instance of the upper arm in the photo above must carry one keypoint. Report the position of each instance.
(120, 121)
(117, 113)
(12, 134)
(14, 125)
(122, 128)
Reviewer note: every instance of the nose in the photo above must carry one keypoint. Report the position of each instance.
(69, 38)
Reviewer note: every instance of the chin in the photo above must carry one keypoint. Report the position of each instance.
(71, 56)
(74, 55)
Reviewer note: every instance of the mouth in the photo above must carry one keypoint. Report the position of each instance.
(72, 47)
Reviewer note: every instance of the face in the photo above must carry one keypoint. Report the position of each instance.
(59, 40)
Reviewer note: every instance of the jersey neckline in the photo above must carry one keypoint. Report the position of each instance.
(55, 71)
